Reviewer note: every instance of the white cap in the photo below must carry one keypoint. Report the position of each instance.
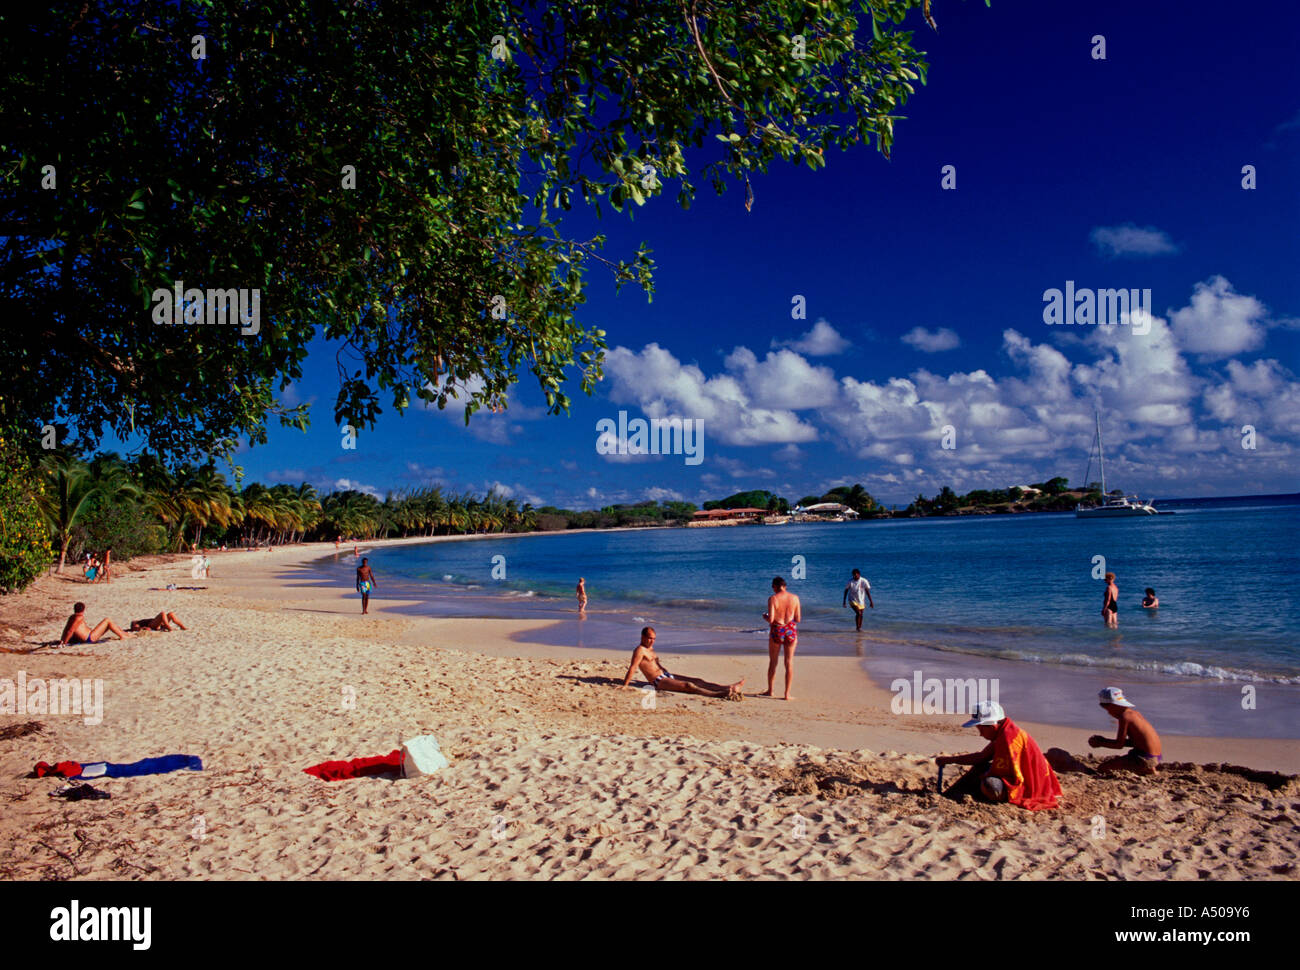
(985, 713)
(1113, 695)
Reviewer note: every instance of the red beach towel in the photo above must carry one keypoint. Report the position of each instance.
(67, 769)
(357, 767)
(1018, 761)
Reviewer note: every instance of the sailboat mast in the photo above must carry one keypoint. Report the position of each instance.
(1101, 459)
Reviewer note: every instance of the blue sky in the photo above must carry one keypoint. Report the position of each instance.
(925, 306)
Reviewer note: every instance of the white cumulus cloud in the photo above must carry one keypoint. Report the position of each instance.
(1131, 240)
(822, 340)
(931, 341)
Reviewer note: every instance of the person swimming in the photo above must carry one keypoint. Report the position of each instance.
(1151, 601)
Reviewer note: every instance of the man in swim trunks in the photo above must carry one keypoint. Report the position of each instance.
(162, 623)
(861, 592)
(365, 583)
(645, 659)
(1135, 730)
(784, 615)
(1110, 602)
(77, 630)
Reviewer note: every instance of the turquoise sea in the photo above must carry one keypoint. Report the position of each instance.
(1010, 594)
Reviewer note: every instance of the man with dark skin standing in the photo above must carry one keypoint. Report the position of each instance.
(861, 591)
(365, 583)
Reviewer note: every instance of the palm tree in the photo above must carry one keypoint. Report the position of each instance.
(71, 485)
(68, 489)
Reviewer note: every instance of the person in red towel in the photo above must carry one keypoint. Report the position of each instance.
(1011, 768)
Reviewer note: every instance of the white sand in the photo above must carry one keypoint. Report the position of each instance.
(555, 774)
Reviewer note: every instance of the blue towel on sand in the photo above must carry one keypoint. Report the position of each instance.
(149, 766)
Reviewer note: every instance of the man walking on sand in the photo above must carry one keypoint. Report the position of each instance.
(860, 590)
(783, 616)
(365, 583)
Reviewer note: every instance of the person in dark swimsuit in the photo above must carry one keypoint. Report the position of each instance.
(162, 623)
(646, 660)
(1110, 603)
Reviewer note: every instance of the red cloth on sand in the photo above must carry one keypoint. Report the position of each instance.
(357, 767)
(68, 769)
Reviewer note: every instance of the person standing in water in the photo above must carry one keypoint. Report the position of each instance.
(1110, 603)
(860, 590)
(365, 582)
(582, 595)
(783, 615)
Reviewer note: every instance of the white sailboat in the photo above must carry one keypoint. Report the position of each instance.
(1120, 506)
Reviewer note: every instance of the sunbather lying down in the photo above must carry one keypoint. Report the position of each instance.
(163, 622)
(646, 660)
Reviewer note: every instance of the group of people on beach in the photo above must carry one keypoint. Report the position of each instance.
(1012, 768)
(784, 613)
(96, 569)
(78, 630)
(1110, 602)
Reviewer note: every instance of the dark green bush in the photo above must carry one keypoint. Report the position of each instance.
(25, 550)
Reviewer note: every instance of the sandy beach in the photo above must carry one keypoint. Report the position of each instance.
(554, 774)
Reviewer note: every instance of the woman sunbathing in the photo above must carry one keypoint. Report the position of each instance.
(162, 623)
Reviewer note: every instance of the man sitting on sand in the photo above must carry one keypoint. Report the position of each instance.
(1010, 769)
(77, 630)
(645, 658)
(1135, 730)
(162, 623)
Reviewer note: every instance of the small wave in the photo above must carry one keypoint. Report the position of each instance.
(446, 577)
(1185, 668)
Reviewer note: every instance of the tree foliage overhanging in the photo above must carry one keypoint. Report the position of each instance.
(229, 172)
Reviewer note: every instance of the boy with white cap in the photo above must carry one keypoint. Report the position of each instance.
(1016, 770)
(1134, 730)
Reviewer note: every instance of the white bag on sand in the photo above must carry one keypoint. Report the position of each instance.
(422, 756)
